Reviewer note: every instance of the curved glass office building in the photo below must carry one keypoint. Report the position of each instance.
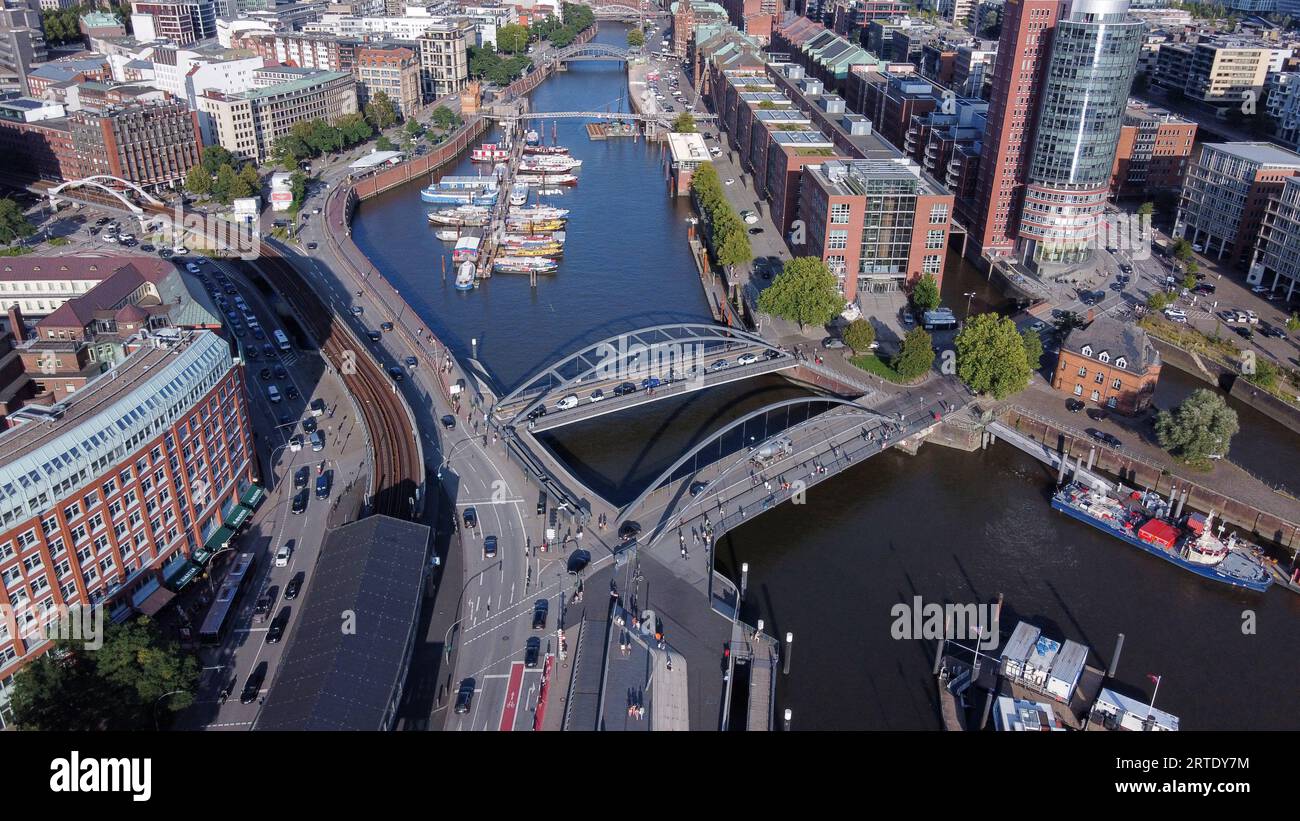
(1094, 57)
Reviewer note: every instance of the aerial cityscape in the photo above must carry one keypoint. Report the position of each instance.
(630, 365)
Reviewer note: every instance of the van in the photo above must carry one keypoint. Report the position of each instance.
(273, 393)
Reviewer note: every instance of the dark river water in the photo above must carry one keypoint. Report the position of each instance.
(944, 525)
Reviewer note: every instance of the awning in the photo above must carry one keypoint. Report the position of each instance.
(178, 574)
(238, 516)
(252, 496)
(218, 538)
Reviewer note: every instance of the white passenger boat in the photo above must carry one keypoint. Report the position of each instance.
(448, 234)
(465, 276)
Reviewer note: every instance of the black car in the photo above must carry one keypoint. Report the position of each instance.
(375, 336)
(537, 412)
(264, 374)
(253, 685)
(1127, 269)
(625, 388)
(449, 422)
(309, 425)
(465, 696)
(755, 231)
(291, 392)
(470, 517)
(276, 631)
(698, 487)
(299, 502)
(386, 326)
(539, 614)
(1244, 332)
(396, 373)
(262, 609)
(1273, 331)
(311, 246)
(295, 584)
(268, 349)
(490, 547)
(629, 530)
(411, 362)
(300, 477)
(1099, 415)
(323, 485)
(280, 372)
(1104, 437)
(578, 561)
(147, 248)
(532, 651)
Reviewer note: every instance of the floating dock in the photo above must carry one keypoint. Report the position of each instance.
(612, 130)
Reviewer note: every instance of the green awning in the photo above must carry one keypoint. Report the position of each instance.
(179, 574)
(238, 516)
(250, 497)
(219, 537)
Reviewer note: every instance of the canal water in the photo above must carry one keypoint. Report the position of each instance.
(944, 525)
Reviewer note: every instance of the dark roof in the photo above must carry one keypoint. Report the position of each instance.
(332, 680)
(1118, 339)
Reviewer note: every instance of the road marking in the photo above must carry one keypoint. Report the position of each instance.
(489, 502)
(511, 705)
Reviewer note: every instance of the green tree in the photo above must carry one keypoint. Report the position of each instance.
(1293, 322)
(805, 292)
(925, 293)
(1033, 348)
(444, 117)
(413, 128)
(1189, 281)
(250, 176)
(198, 181)
(915, 356)
(380, 111)
(734, 249)
(1181, 249)
(1157, 300)
(226, 185)
(120, 686)
(354, 128)
(684, 124)
(512, 39)
(992, 357)
(1147, 209)
(13, 222)
(636, 38)
(859, 335)
(239, 187)
(1202, 426)
(1264, 374)
(214, 156)
(384, 144)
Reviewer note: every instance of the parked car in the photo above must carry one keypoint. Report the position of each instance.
(578, 561)
(832, 342)
(1104, 437)
(470, 517)
(323, 485)
(449, 422)
(1073, 405)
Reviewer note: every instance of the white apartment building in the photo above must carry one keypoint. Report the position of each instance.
(248, 123)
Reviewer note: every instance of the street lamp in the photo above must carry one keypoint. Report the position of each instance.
(158, 701)
(211, 559)
(969, 296)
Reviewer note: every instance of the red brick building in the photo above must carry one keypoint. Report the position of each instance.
(1111, 364)
(1155, 147)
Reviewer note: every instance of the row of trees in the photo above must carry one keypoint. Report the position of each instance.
(726, 235)
(487, 63)
(562, 31)
(63, 25)
(216, 176)
(129, 683)
(311, 138)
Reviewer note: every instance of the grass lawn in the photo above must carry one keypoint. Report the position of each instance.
(875, 365)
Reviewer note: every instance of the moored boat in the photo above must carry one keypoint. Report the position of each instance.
(538, 212)
(447, 234)
(465, 215)
(519, 195)
(524, 265)
(546, 150)
(489, 152)
(1144, 521)
(548, 179)
(466, 250)
(465, 276)
(534, 226)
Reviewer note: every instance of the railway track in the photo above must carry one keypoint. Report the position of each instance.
(397, 471)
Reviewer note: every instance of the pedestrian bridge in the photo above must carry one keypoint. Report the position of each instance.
(594, 51)
(657, 362)
(773, 455)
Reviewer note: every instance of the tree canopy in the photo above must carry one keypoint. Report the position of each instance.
(993, 358)
(684, 124)
(513, 38)
(121, 686)
(805, 292)
(916, 354)
(859, 335)
(726, 232)
(1202, 426)
(13, 222)
(635, 38)
(380, 111)
(925, 293)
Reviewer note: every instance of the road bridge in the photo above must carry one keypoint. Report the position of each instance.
(657, 362)
(620, 116)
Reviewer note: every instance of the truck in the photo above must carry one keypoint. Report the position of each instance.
(771, 452)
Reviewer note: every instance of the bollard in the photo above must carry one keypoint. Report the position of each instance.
(789, 647)
(1114, 661)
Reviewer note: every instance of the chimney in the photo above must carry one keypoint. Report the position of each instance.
(16, 325)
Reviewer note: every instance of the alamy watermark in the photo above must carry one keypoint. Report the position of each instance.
(955, 622)
(634, 361)
(58, 623)
(230, 232)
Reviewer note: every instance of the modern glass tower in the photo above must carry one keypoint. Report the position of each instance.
(1081, 109)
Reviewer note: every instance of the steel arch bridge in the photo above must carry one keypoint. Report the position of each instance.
(101, 181)
(592, 51)
(843, 413)
(641, 351)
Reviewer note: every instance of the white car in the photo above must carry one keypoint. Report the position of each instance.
(746, 359)
(1200, 249)
(730, 181)
(597, 395)
(1038, 326)
(282, 555)
(295, 442)
(191, 267)
(1252, 317)
(567, 403)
